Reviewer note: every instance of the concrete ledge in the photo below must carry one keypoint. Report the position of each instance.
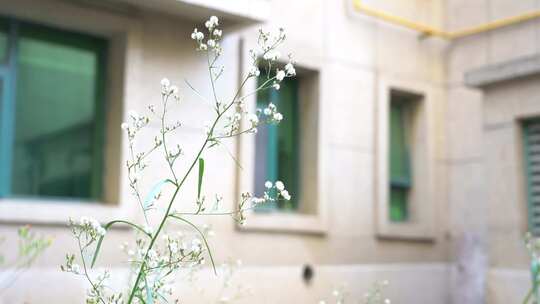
(233, 11)
(504, 71)
(409, 284)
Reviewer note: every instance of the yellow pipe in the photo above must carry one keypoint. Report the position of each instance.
(431, 31)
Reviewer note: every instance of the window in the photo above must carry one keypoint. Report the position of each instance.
(531, 141)
(406, 172)
(276, 146)
(289, 151)
(51, 112)
(400, 168)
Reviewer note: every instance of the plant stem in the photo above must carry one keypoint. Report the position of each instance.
(188, 172)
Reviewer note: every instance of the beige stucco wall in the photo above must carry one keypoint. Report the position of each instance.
(485, 165)
(353, 55)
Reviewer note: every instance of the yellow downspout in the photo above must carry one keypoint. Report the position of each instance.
(431, 31)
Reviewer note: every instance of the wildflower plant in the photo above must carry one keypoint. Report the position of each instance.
(532, 244)
(30, 247)
(156, 256)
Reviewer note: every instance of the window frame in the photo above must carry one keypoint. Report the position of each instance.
(311, 217)
(272, 144)
(420, 226)
(525, 124)
(9, 103)
(125, 41)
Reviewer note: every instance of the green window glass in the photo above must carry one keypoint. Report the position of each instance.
(3, 40)
(57, 129)
(400, 175)
(276, 146)
(531, 149)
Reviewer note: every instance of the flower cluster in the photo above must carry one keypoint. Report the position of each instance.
(168, 90)
(279, 187)
(99, 294)
(267, 56)
(169, 254)
(270, 114)
(214, 36)
(375, 294)
(135, 124)
(232, 127)
(30, 246)
(88, 228)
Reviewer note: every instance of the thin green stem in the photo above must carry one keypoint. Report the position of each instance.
(179, 185)
(163, 138)
(202, 236)
(86, 272)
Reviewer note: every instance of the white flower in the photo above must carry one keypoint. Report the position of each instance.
(124, 126)
(203, 47)
(253, 119)
(268, 184)
(267, 111)
(280, 75)
(276, 86)
(212, 22)
(280, 186)
(286, 195)
(196, 35)
(254, 71)
(211, 43)
(289, 68)
(218, 33)
(165, 82)
(278, 116)
(174, 89)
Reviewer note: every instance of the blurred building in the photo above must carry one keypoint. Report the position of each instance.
(412, 154)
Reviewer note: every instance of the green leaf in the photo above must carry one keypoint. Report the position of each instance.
(201, 173)
(149, 294)
(107, 227)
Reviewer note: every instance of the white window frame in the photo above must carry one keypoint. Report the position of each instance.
(420, 225)
(124, 54)
(313, 221)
